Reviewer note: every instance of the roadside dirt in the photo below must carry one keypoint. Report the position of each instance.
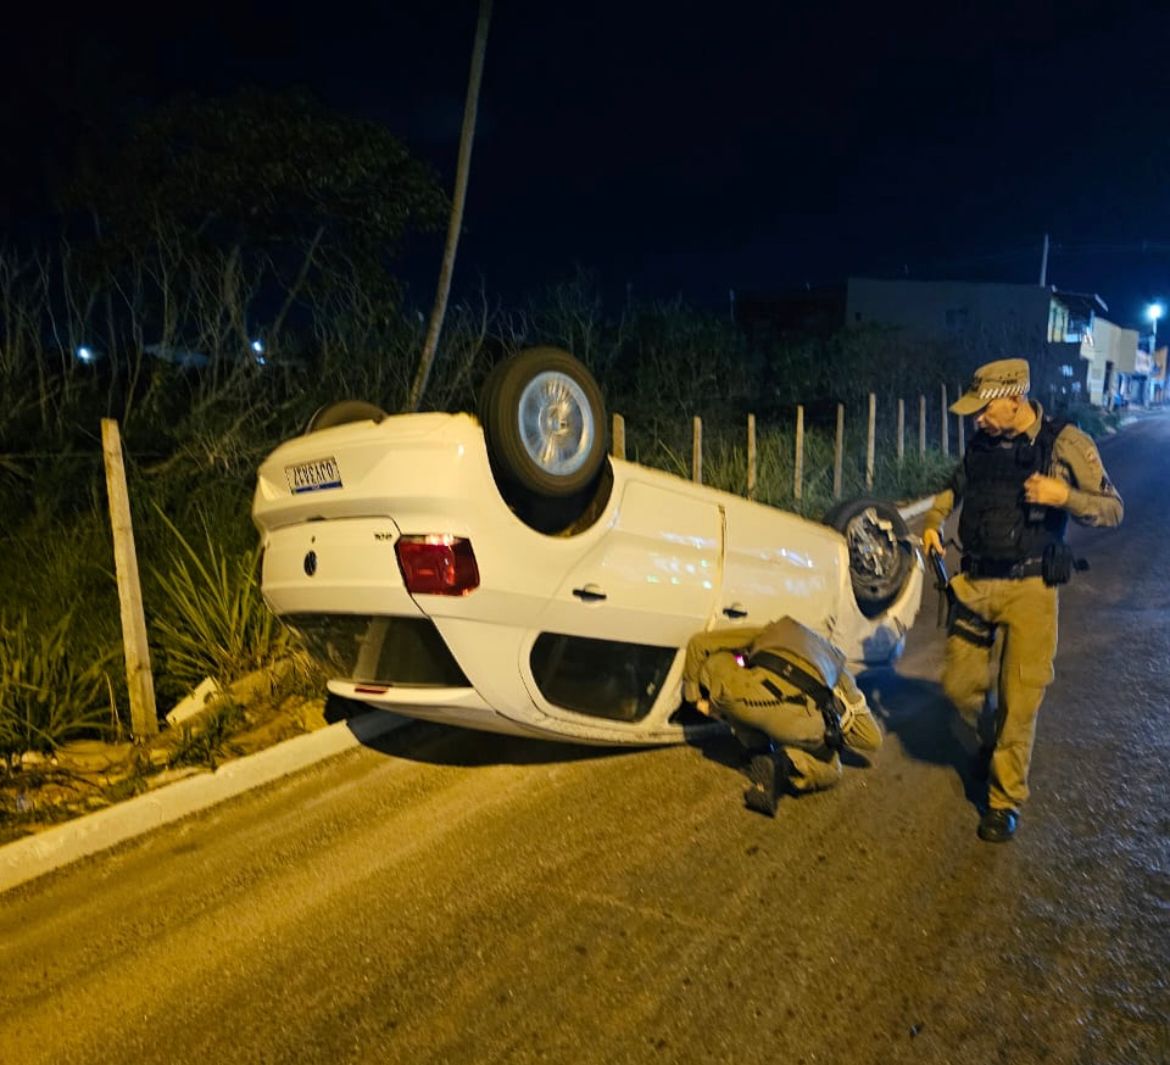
(41, 791)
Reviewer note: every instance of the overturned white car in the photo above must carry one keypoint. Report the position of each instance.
(504, 573)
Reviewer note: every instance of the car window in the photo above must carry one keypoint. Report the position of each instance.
(367, 649)
(602, 678)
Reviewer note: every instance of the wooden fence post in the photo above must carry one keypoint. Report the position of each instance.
(798, 463)
(922, 427)
(697, 450)
(619, 437)
(945, 438)
(139, 680)
(751, 457)
(839, 451)
(900, 447)
(870, 442)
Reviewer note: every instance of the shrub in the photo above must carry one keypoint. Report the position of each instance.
(212, 621)
(46, 698)
(209, 742)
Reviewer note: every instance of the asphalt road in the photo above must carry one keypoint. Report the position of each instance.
(462, 897)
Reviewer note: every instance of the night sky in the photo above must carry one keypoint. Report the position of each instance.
(688, 150)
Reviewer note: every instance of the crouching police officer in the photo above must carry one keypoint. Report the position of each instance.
(1022, 476)
(785, 693)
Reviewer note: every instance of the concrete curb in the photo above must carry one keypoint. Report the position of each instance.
(912, 510)
(26, 859)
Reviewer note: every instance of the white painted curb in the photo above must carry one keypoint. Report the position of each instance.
(913, 510)
(25, 859)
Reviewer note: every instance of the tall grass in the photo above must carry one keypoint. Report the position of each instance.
(212, 621)
(47, 693)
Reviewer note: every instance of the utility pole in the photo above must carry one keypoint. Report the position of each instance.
(462, 168)
(1044, 264)
(139, 679)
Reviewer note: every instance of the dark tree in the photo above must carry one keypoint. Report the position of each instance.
(273, 174)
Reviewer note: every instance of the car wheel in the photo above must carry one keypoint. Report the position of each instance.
(343, 412)
(544, 420)
(880, 556)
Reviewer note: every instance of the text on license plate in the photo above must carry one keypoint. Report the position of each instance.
(313, 476)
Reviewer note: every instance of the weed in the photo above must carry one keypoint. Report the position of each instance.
(210, 741)
(212, 619)
(46, 696)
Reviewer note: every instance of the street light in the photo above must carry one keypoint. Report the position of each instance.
(1153, 312)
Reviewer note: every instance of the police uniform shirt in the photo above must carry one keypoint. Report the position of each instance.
(1092, 499)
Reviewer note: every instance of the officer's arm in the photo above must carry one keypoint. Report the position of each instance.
(1092, 499)
(940, 510)
(944, 503)
(858, 726)
(705, 644)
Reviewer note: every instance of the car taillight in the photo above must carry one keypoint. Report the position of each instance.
(437, 565)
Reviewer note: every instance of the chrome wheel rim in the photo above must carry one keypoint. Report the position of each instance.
(556, 423)
(873, 546)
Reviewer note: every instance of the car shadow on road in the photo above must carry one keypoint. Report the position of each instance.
(918, 713)
(438, 744)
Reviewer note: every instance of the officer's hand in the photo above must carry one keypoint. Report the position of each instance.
(1045, 491)
(932, 542)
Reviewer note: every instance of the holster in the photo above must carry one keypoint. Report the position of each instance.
(812, 686)
(1057, 564)
(964, 623)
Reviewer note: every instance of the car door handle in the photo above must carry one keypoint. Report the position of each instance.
(591, 593)
(736, 610)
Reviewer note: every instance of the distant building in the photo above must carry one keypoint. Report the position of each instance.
(1124, 367)
(978, 321)
(1158, 377)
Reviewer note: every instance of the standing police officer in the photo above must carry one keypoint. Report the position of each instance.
(1022, 476)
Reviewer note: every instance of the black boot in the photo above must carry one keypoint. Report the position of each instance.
(766, 773)
(998, 826)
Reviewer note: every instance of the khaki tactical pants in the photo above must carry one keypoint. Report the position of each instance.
(746, 698)
(1024, 613)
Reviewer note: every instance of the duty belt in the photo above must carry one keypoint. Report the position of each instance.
(812, 686)
(1002, 568)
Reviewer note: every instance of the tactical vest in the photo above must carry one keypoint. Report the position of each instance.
(805, 663)
(788, 638)
(997, 522)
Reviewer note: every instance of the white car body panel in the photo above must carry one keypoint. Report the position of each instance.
(658, 564)
(670, 557)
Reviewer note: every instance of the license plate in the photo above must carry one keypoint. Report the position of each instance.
(313, 476)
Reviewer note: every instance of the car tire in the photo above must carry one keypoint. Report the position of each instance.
(564, 491)
(544, 420)
(881, 557)
(343, 412)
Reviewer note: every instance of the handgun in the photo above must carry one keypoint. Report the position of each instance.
(942, 583)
